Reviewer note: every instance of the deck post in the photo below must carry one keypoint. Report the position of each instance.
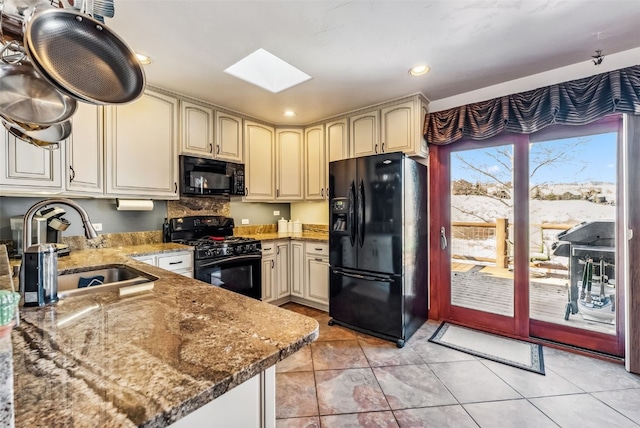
(502, 235)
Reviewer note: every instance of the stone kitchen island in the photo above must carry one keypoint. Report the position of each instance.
(150, 358)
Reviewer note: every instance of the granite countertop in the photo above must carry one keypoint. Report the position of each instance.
(304, 236)
(146, 359)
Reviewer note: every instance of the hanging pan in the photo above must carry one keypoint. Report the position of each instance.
(28, 100)
(82, 57)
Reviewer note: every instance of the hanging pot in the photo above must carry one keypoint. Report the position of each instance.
(28, 136)
(80, 56)
(29, 101)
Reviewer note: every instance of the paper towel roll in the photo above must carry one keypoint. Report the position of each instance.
(134, 205)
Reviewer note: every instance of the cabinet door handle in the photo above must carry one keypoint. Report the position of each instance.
(175, 187)
(382, 148)
(246, 191)
(73, 174)
(217, 149)
(376, 148)
(176, 263)
(277, 193)
(210, 148)
(318, 249)
(318, 259)
(272, 264)
(322, 192)
(278, 250)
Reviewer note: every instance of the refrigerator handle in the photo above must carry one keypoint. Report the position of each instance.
(351, 216)
(363, 277)
(361, 214)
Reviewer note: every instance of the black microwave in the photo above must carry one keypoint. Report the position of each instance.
(209, 177)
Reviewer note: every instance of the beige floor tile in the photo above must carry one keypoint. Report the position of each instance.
(349, 391)
(295, 395)
(298, 362)
(364, 420)
(337, 354)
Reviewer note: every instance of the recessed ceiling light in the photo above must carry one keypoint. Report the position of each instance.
(289, 113)
(266, 70)
(419, 70)
(144, 60)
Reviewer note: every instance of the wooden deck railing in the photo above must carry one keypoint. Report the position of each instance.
(499, 230)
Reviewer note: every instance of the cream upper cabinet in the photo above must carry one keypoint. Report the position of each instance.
(337, 140)
(364, 139)
(141, 148)
(196, 130)
(315, 163)
(85, 149)
(401, 128)
(260, 162)
(25, 168)
(289, 165)
(228, 141)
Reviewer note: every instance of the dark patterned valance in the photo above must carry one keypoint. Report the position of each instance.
(576, 102)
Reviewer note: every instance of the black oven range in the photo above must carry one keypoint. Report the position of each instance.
(220, 259)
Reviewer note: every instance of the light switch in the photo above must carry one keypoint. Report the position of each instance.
(276, 212)
(245, 221)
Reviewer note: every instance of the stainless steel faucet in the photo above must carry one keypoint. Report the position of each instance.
(89, 231)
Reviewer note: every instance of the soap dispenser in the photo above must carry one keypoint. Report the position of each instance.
(39, 275)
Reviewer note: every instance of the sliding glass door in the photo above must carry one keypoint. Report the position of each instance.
(527, 235)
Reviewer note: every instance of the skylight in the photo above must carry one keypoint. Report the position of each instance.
(267, 71)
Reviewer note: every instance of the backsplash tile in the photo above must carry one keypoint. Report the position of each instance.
(109, 240)
(199, 206)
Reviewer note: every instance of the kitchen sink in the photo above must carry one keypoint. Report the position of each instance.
(102, 278)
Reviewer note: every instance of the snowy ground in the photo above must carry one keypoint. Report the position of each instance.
(555, 212)
(561, 212)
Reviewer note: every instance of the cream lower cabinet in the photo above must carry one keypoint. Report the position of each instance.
(251, 404)
(85, 152)
(268, 271)
(316, 277)
(297, 269)
(260, 162)
(289, 165)
(275, 272)
(141, 148)
(25, 168)
(282, 269)
(180, 262)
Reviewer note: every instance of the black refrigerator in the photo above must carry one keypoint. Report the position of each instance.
(378, 245)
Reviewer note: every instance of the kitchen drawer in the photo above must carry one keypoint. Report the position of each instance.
(319, 248)
(175, 262)
(268, 248)
(150, 260)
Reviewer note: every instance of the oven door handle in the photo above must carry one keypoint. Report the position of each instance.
(224, 261)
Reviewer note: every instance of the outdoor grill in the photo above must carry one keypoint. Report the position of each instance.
(590, 247)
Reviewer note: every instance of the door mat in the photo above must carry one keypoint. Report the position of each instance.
(516, 353)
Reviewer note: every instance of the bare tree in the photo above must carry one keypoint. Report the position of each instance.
(496, 177)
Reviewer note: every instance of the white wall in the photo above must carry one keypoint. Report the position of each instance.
(311, 212)
(552, 77)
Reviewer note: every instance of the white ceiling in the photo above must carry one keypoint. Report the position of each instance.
(359, 52)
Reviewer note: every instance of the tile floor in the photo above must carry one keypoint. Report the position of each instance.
(347, 379)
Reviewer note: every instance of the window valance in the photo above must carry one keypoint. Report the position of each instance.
(576, 102)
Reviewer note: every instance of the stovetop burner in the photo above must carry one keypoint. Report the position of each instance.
(212, 237)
